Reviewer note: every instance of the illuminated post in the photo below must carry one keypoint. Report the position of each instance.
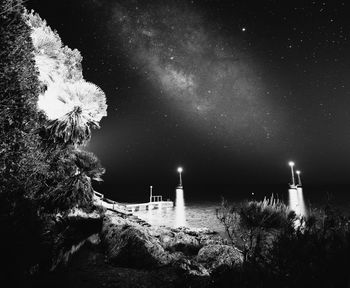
(180, 214)
(299, 179)
(296, 199)
(301, 202)
(291, 164)
(150, 193)
(180, 178)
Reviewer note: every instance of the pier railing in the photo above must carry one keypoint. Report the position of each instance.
(156, 198)
(156, 203)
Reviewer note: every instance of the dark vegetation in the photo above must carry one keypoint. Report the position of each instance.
(22, 163)
(283, 250)
(37, 179)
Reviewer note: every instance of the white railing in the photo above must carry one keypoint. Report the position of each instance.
(155, 201)
(156, 198)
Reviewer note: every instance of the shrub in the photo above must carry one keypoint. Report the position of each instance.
(314, 254)
(253, 225)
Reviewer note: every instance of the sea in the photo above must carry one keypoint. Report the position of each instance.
(192, 214)
(198, 212)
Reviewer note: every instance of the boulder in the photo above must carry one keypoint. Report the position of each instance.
(186, 240)
(214, 256)
(196, 252)
(180, 242)
(208, 237)
(191, 267)
(132, 245)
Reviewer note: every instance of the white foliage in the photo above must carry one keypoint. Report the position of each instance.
(46, 41)
(62, 98)
(61, 74)
(48, 67)
(55, 62)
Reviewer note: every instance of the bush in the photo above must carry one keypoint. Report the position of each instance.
(313, 254)
(252, 225)
(36, 176)
(69, 182)
(22, 162)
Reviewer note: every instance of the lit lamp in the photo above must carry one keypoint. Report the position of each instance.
(291, 164)
(180, 214)
(180, 178)
(299, 179)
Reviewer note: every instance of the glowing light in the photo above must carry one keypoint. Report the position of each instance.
(296, 201)
(293, 200)
(180, 178)
(301, 202)
(291, 164)
(296, 198)
(180, 215)
(299, 178)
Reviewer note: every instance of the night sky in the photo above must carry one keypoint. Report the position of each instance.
(230, 90)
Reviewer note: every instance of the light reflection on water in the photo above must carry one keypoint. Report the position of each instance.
(296, 201)
(202, 214)
(193, 215)
(180, 212)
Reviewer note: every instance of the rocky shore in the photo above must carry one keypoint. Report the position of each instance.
(128, 252)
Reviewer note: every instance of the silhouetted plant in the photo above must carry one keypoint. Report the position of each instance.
(253, 225)
(69, 184)
(70, 108)
(228, 215)
(32, 179)
(22, 162)
(313, 254)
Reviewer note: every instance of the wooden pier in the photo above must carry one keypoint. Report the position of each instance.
(156, 202)
(149, 206)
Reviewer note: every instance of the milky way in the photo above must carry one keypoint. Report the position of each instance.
(202, 73)
(218, 86)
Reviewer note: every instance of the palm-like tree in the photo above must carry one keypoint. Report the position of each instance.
(77, 170)
(72, 105)
(72, 110)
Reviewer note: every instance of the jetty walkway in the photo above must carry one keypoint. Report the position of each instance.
(156, 202)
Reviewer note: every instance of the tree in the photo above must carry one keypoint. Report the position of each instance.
(72, 105)
(22, 162)
(69, 182)
(71, 108)
(20, 155)
(34, 179)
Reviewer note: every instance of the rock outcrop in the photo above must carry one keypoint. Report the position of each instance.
(132, 246)
(214, 256)
(132, 243)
